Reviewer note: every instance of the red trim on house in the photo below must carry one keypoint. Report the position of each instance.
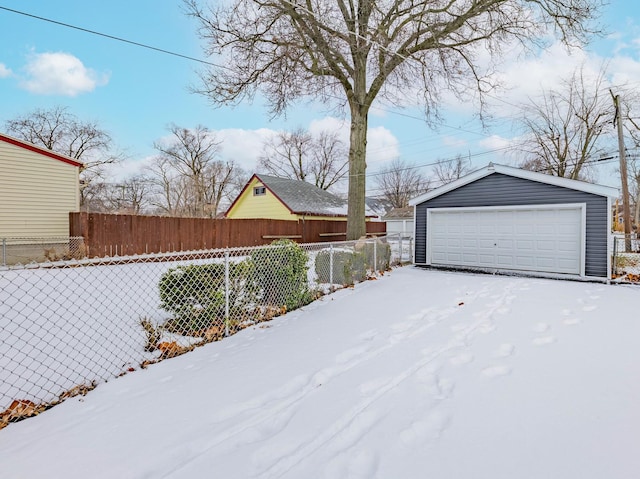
(42, 151)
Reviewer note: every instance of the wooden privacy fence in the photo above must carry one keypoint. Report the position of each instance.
(109, 235)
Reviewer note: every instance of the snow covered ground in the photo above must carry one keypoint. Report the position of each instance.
(421, 374)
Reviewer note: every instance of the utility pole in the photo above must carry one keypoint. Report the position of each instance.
(626, 210)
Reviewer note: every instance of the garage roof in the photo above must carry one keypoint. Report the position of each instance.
(492, 168)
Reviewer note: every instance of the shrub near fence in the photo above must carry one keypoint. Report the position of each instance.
(119, 235)
(68, 326)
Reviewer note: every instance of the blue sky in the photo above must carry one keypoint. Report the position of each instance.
(134, 93)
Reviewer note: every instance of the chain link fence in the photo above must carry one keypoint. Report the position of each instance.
(23, 250)
(625, 262)
(68, 324)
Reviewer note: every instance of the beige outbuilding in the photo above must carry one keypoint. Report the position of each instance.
(38, 190)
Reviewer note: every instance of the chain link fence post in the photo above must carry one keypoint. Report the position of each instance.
(375, 256)
(4, 251)
(411, 250)
(226, 292)
(331, 265)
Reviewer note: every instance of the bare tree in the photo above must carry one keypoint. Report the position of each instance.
(329, 159)
(564, 128)
(446, 171)
(132, 196)
(399, 182)
(61, 131)
(352, 53)
(321, 160)
(188, 176)
(287, 154)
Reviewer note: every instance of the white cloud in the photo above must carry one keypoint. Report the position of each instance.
(60, 74)
(243, 146)
(4, 71)
(382, 145)
(454, 142)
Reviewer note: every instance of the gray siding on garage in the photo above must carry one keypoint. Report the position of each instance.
(503, 190)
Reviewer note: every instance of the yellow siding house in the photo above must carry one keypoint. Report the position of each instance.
(38, 190)
(270, 197)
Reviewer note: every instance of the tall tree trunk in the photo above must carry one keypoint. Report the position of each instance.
(356, 227)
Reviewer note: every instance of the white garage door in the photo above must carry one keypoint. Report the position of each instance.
(546, 239)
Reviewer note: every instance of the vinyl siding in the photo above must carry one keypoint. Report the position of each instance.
(37, 193)
(503, 190)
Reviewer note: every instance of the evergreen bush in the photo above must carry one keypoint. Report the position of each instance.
(280, 272)
(195, 295)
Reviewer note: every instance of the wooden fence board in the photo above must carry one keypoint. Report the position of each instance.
(109, 234)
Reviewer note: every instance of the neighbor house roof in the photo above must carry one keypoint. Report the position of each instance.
(302, 198)
(492, 168)
(40, 150)
(399, 213)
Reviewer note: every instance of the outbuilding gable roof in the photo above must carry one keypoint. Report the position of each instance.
(300, 197)
(492, 168)
(399, 213)
(40, 150)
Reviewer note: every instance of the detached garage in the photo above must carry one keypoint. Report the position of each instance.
(504, 218)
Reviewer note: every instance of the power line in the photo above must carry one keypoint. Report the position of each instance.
(217, 65)
(112, 37)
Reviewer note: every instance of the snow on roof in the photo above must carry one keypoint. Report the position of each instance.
(302, 197)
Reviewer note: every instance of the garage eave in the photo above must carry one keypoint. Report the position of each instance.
(491, 168)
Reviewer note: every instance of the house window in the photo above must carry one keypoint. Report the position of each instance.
(259, 191)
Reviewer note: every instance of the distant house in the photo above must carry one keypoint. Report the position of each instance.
(38, 190)
(266, 196)
(399, 221)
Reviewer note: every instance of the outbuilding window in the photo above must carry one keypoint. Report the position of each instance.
(259, 191)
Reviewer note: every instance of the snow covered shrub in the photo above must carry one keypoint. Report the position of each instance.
(382, 254)
(341, 267)
(347, 267)
(281, 274)
(195, 295)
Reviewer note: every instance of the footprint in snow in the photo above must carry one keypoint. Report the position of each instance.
(572, 321)
(505, 350)
(496, 371)
(566, 312)
(540, 328)
(543, 341)
(353, 463)
(461, 359)
(426, 430)
(589, 307)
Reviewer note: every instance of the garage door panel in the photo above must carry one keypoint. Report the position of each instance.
(545, 245)
(547, 239)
